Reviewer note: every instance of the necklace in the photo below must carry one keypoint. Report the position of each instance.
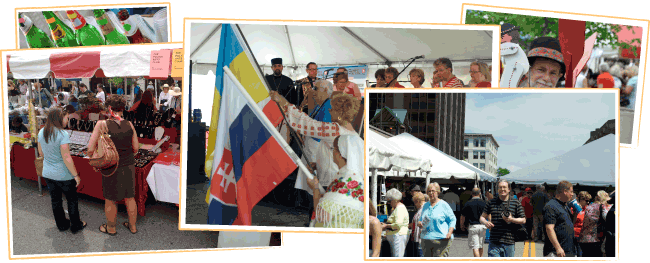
(277, 86)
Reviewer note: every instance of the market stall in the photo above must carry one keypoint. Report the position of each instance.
(155, 135)
(385, 155)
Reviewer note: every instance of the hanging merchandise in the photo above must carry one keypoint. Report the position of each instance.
(86, 34)
(112, 35)
(35, 37)
(62, 35)
(136, 29)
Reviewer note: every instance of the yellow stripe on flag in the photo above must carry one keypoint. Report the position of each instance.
(526, 247)
(243, 70)
(212, 137)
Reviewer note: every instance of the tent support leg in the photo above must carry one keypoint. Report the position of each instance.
(373, 187)
(428, 181)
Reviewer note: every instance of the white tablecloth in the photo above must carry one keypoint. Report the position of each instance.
(164, 182)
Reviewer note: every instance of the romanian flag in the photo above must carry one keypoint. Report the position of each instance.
(248, 161)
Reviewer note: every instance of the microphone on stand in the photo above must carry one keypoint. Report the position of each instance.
(418, 57)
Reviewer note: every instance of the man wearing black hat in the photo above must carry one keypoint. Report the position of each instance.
(282, 84)
(513, 56)
(546, 64)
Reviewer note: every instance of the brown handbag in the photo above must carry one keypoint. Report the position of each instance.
(105, 155)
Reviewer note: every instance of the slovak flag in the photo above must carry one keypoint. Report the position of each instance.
(248, 161)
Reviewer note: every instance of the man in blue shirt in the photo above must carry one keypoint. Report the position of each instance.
(558, 224)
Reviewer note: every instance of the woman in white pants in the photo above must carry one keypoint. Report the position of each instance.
(397, 227)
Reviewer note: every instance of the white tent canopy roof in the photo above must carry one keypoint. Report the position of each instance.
(444, 166)
(339, 45)
(590, 164)
(385, 155)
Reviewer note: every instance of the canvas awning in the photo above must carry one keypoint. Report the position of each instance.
(591, 164)
(385, 155)
(136, 61)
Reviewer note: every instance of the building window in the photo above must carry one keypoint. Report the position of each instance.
(483, 155)
(466, 143)
(465, 155)
(476, 165)
(475, 155)
(483, 166)
(482, 143)
(475, 142)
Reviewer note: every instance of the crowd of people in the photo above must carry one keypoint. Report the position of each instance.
(566, 222)
(108, 112)
(443, 76)
(321, 114)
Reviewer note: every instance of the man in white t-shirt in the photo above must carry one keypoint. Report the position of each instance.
(454, 202)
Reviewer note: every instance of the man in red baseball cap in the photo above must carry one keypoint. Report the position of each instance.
(528, 210)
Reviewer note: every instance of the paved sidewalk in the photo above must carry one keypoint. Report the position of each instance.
(34, 230)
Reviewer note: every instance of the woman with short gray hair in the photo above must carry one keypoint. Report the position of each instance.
(397, 227)
(437, 221)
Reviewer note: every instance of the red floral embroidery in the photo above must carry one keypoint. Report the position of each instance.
(312, 133)
(299, 126)
(319, 134)
(312, 128)
(353, 184)
(343, 191)
(327, 127)
(293, 125)
(546, 53)
(361, 198)
(319, 128)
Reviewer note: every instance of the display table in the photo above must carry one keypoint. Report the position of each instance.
(22, 163)
(164, 182)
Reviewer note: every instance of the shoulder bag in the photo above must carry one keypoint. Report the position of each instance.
(105, 156)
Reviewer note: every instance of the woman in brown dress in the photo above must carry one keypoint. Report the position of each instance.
(120, 185)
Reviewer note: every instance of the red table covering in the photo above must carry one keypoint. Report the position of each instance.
(22, 162)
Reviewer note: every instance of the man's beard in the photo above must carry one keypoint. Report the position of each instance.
(277, 72)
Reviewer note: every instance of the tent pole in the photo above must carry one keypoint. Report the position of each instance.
(428, 180)
(373, 187)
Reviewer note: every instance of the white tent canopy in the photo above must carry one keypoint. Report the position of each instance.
(591, 164)
(340, 45)
(385, 155)
(444, 166)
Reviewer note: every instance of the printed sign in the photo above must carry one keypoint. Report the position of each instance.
(177, 63)
(159, 65)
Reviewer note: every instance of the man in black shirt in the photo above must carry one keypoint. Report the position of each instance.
(538, 201)
(283, 84)
(506, 214)
(472, 212)
(558, 224)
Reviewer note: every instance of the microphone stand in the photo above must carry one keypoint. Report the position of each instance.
(395, 80)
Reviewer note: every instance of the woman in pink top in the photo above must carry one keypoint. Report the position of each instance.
(341, 83)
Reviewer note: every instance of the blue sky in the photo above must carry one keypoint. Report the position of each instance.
(533, 127)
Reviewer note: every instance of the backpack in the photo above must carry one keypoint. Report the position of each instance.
(105, 156)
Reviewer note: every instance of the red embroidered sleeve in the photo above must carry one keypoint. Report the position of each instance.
(307, 126)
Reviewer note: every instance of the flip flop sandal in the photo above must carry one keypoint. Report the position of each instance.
(128, 226)
(106, 230)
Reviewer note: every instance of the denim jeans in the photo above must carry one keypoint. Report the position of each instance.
(69, 188)
(501, 250)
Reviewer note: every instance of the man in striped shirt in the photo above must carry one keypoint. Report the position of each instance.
(443, 75)
(505, 214)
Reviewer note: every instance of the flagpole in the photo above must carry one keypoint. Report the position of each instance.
(268, 124)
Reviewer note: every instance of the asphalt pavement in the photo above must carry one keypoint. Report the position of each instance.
(35, 233)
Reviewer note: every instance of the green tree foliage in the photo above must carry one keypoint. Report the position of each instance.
(502, 171)
(532, 27)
